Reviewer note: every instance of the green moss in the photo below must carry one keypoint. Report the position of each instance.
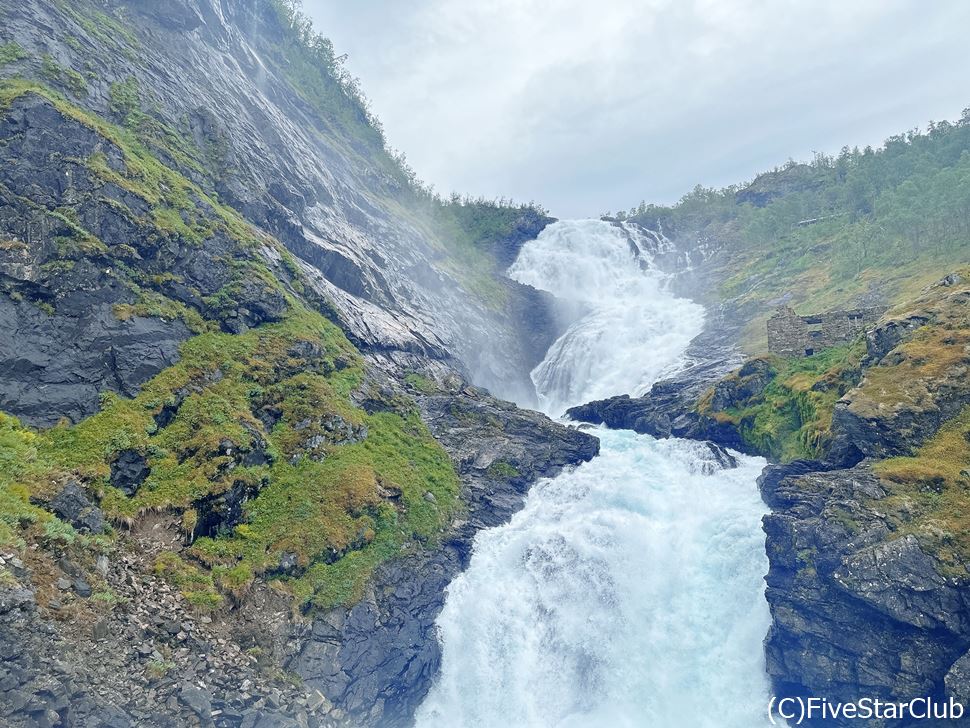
(421, 383)
(151, 304)
(158, 669)
(806, 561)
(102, 27)
(125, 98)
(502, 469)
(331, 509)
(792, 418)
(195, 584)
(11, 53)
(19, 480)
(66, 77)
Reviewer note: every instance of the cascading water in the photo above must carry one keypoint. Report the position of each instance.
(628, 330)
(627, 592)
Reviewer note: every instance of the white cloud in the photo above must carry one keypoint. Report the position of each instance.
(593, 106)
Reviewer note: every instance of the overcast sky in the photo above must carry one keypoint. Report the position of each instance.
(592, 105)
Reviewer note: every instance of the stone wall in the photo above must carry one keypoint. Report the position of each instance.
(792, 335)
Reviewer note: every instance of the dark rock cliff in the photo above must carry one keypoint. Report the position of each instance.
(209, 84)
(170, 176)
(868, 586)
(378, 658)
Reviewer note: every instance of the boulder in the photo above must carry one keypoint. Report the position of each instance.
(72, 505)
(129, 471)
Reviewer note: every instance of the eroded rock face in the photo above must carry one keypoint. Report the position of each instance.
(57, 365)
(213, 71)
(858, 609)
(378, 658)
(129, 471)
(917, 377)
(73, 505)
(60, 293)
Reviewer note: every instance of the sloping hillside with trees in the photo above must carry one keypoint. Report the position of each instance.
(864, 226)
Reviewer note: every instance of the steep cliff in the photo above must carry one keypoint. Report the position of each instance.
(239, 457)
(868, 545)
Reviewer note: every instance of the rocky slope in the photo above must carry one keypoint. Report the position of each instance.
(228, 95)
(239, 457)
(869, 549)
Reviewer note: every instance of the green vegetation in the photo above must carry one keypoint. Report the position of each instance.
(11, 53)
(17, 513)
(929, 493)
(151, 304)
(308, 61)
(334, 487)
(503, 470)
(158, 669)
(893, 218)
(421, 383)
(941, 463)
(323, 500)
(178, 207)
(932, 360)
(125, 98)
(468, 230)
(195, 584)
(104, 28)
(473, 232)
(328, 506)
(66, 77)
(791, 417)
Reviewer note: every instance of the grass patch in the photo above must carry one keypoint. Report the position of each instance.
(929, 494)
(792, 418)
(11, 53)
(178, 207)
(503, 470)
(421, 383)
(943, 462)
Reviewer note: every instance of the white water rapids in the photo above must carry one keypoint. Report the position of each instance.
(628, 591)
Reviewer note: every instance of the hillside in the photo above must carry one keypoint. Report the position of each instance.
(868, 440)
(235, 410)
(871, 226)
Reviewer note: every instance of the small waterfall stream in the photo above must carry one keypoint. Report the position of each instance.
(628, 591)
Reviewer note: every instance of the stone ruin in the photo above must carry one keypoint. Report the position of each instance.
(791, 335)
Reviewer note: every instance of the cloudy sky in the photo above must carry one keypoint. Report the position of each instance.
(589, 106)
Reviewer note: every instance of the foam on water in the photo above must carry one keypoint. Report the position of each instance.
(629, 330)
(628, 591)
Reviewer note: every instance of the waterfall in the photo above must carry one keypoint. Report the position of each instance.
(628, 591)
(628, 331)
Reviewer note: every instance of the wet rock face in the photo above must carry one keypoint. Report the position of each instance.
(59, 295)
(56, 365)
(214, 73)
(858, 610)
(73, 505)
(219, 514)
(378, 658)
(129, 471)
(668, 409)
